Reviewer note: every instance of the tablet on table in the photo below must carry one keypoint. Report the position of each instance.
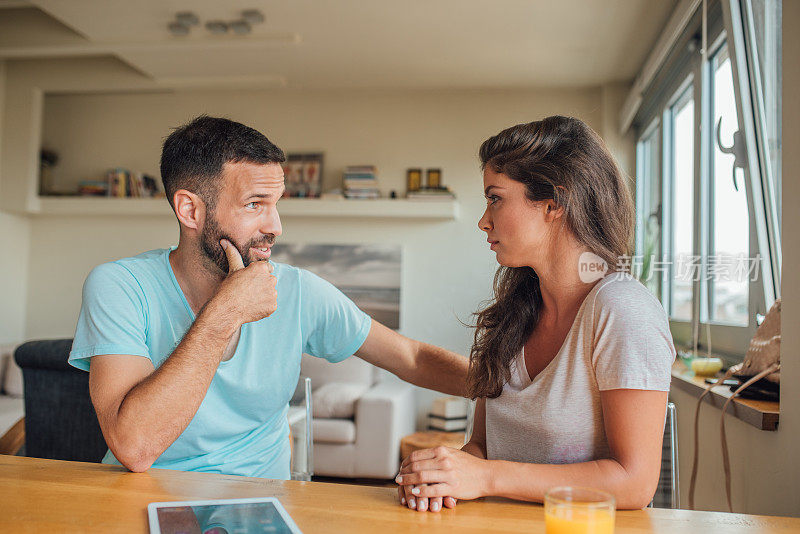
(221, 516)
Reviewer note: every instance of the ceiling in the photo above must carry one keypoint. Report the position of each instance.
(353, 43)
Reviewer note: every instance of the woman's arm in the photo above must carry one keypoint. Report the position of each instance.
(476, 445)
(634, 425)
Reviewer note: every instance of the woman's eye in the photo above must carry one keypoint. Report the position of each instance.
(491, 199)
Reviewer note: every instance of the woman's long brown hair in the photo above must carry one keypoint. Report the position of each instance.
(562, 159)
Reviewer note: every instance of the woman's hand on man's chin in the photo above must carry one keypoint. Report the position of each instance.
(432, 478)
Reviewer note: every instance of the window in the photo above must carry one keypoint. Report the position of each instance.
(763, 20)
(648, 202)
(729, 246)
(708, 176)
(680, 117)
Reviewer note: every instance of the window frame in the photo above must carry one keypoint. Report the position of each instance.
(684, 93)
(646, 184)
(738, 17)
(685, 65)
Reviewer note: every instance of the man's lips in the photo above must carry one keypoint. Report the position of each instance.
(262, 253)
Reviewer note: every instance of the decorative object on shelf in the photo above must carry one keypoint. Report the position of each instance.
(433, 178)
(448, 414)
(413, 179)
(47, 160)
(303, 175)
(187, 18)
(433, 189)
(368, 274)
(217, 27)
(361, 182)
(183, 22)
(252, 16)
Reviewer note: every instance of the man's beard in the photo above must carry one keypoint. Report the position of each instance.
(211, 235)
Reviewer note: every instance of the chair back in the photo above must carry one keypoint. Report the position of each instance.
(668, 491)
(60, 421)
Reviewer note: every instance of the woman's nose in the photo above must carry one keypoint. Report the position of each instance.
(484, 223)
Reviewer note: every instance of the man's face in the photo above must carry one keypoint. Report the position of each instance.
(245, 213)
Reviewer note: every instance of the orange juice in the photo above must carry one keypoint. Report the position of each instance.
(569, 521)
(571, 510)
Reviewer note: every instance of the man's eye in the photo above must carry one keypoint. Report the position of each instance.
(252, 205)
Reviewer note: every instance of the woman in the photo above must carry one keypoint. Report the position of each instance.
(571, 360)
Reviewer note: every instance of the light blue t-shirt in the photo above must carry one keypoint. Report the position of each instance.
(135, 306)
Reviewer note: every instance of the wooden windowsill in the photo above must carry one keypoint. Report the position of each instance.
(760, 414)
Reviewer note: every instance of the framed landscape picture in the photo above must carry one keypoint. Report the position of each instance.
(368, 274)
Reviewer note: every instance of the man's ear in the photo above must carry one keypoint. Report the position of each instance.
(189, 208)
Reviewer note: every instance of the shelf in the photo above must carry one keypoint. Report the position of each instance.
(760, 414)
(289, 207)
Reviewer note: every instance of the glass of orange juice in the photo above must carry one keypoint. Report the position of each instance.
(569, 510)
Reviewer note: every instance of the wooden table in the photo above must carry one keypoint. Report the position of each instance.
(428, 440)
(53, 496)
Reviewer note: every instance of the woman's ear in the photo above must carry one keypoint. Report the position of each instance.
(189, 208)
(552, 211)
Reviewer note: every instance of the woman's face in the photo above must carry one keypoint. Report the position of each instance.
(517, 228)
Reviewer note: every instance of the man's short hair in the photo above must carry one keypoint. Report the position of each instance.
(193, 155)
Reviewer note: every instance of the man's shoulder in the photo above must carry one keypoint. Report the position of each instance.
(290, 273)
(130, 269)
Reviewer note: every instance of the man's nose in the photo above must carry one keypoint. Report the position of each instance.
(272, 223)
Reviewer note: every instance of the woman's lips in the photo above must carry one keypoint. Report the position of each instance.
(493, 244)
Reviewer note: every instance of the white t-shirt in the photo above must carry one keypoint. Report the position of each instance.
(620, 339)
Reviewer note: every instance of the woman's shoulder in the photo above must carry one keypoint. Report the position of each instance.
(619, 293)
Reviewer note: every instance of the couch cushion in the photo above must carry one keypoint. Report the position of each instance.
(11, 410)
(350, 370)
(334, 431)
(11, 383)
(337, 400)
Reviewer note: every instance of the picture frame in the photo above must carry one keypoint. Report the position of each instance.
(303, 175)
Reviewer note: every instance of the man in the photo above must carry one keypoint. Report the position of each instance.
(194, 352)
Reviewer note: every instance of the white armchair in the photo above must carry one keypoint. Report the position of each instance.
(365, 444)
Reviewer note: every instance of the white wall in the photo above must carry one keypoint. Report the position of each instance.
(14, 252)
(14, 239)
(447, 267)
(765, 465)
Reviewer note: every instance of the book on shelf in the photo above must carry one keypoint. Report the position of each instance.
(350, 183)
(93, 188)
(441, 424)
(449, 408)
(362, 194)
(122, 183)
(438, 193)
(360, 182)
